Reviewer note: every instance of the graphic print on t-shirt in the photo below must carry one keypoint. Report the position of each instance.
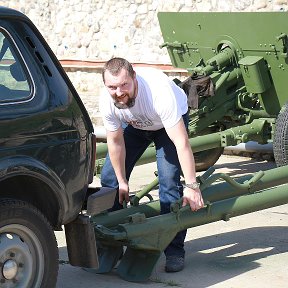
(139, 121)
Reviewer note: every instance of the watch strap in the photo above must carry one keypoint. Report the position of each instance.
(193, 185)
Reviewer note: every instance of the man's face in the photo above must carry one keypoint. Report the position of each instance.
(122, 88)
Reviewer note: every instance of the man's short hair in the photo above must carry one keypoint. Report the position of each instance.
(115, 65)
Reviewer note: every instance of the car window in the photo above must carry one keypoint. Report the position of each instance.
(14, 85)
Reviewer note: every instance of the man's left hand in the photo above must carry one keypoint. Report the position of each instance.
(193, 197)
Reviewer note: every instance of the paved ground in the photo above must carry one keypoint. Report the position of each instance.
(247, 251)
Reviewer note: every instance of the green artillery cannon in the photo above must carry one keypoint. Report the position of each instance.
(247, 68)
(244, 58)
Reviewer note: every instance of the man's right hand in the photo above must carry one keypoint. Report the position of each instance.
(123, 193)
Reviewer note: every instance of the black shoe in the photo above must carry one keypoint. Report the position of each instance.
(174, 263)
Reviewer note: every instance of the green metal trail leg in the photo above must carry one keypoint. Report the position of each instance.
(108, 257)
(137, 265)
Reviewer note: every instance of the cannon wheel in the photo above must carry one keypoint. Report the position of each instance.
(206, 159)
(28, 247)
(280, 141)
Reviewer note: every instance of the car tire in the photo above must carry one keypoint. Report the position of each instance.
(28, 247)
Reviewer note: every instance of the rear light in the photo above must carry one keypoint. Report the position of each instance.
(93, 158)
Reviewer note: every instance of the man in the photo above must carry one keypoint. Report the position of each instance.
(153, 109)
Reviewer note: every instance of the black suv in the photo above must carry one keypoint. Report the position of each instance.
(47, 151)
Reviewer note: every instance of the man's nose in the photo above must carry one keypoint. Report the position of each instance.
(119, 92)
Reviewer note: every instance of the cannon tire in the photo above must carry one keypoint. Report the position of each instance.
(28, 247)
(280, 141)
(206, 159)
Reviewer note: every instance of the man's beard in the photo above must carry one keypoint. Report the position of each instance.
(130, 103)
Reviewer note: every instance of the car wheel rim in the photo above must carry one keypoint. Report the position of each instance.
(21, 257)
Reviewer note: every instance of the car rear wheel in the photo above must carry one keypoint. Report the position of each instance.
(28, 247)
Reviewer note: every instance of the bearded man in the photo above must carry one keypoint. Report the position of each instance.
(153, 109)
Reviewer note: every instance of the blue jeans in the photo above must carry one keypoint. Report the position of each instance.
(170, 187)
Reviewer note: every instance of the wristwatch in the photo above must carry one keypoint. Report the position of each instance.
(193, 185)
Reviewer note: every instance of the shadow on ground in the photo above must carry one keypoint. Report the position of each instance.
(209, 260)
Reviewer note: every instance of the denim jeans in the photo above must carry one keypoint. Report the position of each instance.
(170, 187)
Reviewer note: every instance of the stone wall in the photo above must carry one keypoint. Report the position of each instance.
(99, 29)
(96, 30)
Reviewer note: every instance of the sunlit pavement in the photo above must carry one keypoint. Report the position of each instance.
(247, 251)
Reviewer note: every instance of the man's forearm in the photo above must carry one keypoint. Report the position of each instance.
(187, 164)
(117, 155)
(117, 152)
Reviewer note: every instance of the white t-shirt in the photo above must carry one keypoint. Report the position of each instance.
(159, 103)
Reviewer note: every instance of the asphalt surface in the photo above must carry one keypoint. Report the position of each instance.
(248, 251)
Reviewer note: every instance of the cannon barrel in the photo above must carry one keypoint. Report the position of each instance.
(254, 131)
(225, 58)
